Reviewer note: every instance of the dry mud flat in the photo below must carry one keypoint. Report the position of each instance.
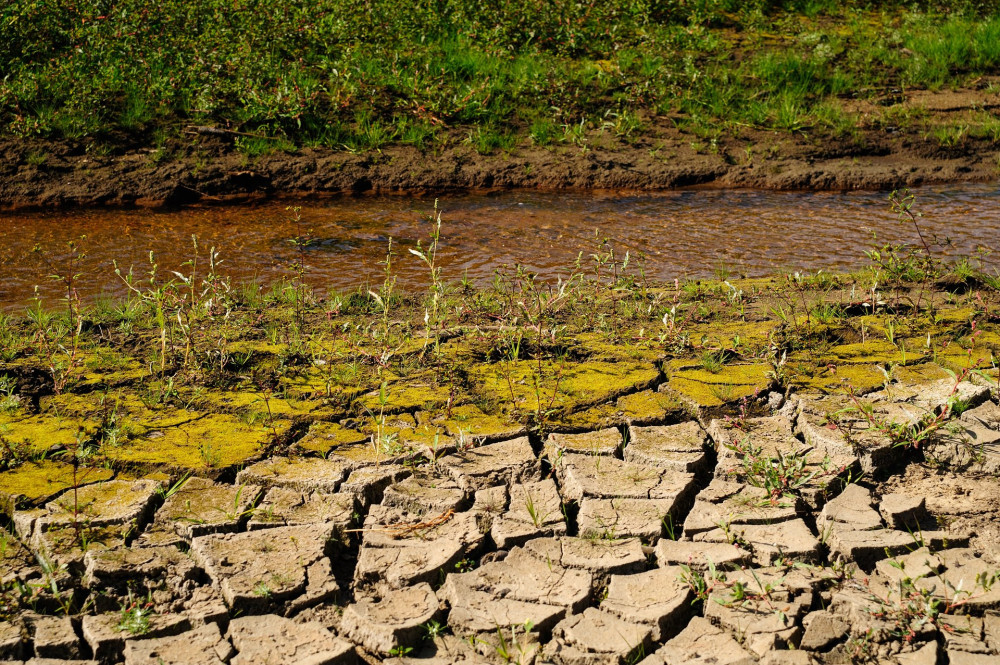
(654, 544)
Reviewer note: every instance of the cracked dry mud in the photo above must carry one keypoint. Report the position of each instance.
(654, 544)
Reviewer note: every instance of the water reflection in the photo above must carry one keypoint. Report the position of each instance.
(687, 233)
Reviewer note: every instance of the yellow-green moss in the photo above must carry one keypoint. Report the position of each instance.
(648, 406)
(568, 387)
(324, 383)
(252, 402)
(982, 352)
(752, 335)
(408, 394)
(597, 346)
(324, 437)
(41, 432)
(166, 436)
(871, 352)
(921, 373)
(469, 420)
(815, 377)
(703, 389)
(187, 440)
(593, 418)
(38, 481)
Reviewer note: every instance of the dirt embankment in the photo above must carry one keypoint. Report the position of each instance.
(943, 139)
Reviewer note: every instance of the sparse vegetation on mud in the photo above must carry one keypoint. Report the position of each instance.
(192, 371)
(522, 445)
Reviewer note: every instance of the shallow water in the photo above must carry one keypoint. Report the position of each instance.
(686, 233)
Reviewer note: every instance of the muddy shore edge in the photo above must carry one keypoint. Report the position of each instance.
(45, 175)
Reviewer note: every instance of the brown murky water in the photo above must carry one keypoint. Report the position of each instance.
(688, 233)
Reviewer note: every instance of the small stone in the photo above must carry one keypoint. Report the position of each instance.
(425, 493)
(109, 503)
(903, 512)
(835, 425)
(963, 633)
(963, 569)
(930, 388)
(198, 507)
(368, 483)
(991, 630)
(725, 502)
(823, 629)
(306, 474)
(391, 621)
(284, 506)
(402, 548)
(770, 542)
(535, 509)
(445, 650)
(853, 510)
(761, 629)
(493, 464)
(701, 643)
(520, 576)
(23, 521)
(772, 434)
(965, 445)
(625, 518)
(54, 637)
(206, 605)
(601, 557)
(594, 636)
(609, 478)
(658, 598)
(119, 567)
(681, 447)
(601, 442)
(202, 646)
(275, 639)
(480, 613)
(107, 641)
(787, 657)
(257, 569)
(865, 548)
(491, 501)
(987, 415)
(965, 658)
(926, 655)
(11, 640)
(699, 556)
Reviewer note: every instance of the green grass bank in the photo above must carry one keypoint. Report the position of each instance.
(360, 76)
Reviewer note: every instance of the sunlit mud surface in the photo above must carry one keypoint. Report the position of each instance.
(690, 233)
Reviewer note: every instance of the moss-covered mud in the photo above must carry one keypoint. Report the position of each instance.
(281, 453)
(230, 380)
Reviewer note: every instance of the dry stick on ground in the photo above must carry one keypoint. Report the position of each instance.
(193, 129)
(401, 530)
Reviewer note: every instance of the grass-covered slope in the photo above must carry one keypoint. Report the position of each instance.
(361, 75)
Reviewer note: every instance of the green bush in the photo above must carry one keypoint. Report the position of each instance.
(370, 72)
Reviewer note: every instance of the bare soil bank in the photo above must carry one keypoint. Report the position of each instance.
(206, 168)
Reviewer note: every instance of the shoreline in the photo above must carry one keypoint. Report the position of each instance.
(53, 175)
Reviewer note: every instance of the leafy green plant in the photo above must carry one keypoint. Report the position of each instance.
(782, 476)
(135, 615)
